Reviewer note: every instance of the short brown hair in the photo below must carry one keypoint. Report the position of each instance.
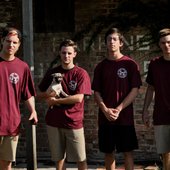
(163, 32)
(112, 31)
(8, 30)
(67, 43)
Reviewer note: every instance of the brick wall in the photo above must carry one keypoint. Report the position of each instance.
(46, 49)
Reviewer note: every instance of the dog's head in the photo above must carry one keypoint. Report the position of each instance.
(58, 77)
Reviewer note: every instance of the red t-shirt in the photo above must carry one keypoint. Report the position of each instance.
(15, 84)
(114, 79)
(75, 81)
(159, 77)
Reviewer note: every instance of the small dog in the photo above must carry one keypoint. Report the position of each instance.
(56, 86)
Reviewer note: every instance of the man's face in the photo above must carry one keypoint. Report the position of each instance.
(67, 55)
(164, 44)
(113, 42)
(11, 43)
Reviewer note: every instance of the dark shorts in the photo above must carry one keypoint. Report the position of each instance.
(117, 138)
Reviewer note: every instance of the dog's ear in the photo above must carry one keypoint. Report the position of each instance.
(53, 75)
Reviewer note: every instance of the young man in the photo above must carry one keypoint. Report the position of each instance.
(158, 80)
(65, 118)
(115, 84)
(15, 84)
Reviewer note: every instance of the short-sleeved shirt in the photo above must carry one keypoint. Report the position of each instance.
(114, 79)
(15, 84)
(159, 77)
(75, 81)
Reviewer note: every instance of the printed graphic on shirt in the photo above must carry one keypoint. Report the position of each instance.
(14, 78)
(72, 85)
(122, 72)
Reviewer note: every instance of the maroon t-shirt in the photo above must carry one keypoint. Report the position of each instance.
(114, 79)
(159, 77)
(15, 84)
(75, 81)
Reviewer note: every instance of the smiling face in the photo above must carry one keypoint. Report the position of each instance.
(10, 44)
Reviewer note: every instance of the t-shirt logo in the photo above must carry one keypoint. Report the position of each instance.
(14, 78)
(72, 85)
(122, 72)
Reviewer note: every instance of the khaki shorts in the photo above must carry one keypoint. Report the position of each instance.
(8, 146)
(69, 143)
(162, 137)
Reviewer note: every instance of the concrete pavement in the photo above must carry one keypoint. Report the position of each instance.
(41, 166)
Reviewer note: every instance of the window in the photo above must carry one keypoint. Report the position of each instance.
(51, 16)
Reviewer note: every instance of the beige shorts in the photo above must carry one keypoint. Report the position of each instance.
(162, 137)
(8, 147)
(69, 143)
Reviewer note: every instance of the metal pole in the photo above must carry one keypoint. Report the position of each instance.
(29, 58)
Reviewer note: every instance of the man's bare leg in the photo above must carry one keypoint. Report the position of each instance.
(60, 165)
(5, 165)
(82, 165)
(110, 161)
(129, 163)
(166, 161)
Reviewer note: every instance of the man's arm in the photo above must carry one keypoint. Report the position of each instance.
(110, 113)
(72, 99)
(45, 95)
(150, 92)
(31, 106)
(128, 99)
